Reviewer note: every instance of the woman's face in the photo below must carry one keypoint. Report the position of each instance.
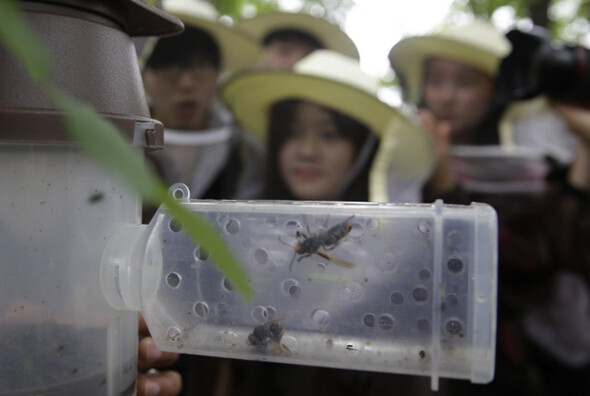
(315, 158)
(459, 94)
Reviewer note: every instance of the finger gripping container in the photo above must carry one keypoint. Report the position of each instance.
(407, 288)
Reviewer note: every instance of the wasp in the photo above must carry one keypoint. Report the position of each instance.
(267, 332)
(329, 239)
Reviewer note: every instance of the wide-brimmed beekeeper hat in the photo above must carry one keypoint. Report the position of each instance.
(334, 81)
(238, 49)
(477, 44)
(328, 34)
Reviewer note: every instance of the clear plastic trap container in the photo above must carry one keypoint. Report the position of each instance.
(381, 287)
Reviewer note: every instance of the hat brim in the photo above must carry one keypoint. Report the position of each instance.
(409, 56)
(251, 94)
(238, 49)
(330, 35)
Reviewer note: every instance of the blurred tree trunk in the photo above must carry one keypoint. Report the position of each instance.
(538, 11)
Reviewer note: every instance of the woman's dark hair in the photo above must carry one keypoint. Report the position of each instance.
(293, 35)
(193, 46)
(488, 129)
(281, 117)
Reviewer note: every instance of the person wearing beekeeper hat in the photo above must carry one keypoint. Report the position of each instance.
(287, 37)
(203, 147)
(329, 136)
(452, 76)
(493, 151)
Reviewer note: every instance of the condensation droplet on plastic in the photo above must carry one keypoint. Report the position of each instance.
(290, 342)
(424, 274)
(455, 239)
(385, 322)
(201, 254)
(320, 317)
(272, 312)
(227, 337)
(455, 265)
(291, 227)
(420, 294)
(396, 298)
(372, 224)
(173, 280)
(201, 309)
(259, 314)
(271, 266)
(173, 333)
(351, 292)
(227, 285)
(260, 256)
(454, 327)
(291, 288)
(369, 320)
(452, 300)
(222, 218)
(357, 231)
(232, 227)
(424, 227)
(175, 225)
